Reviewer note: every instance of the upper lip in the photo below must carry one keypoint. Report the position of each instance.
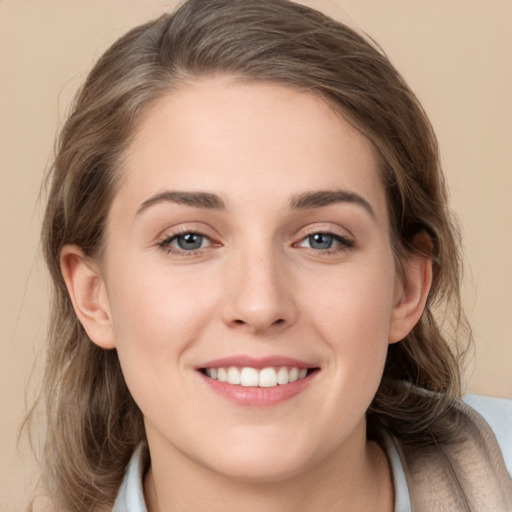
(256, 362)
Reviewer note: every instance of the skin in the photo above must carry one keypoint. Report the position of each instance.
(258, 286)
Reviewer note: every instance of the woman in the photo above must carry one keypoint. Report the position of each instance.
(248, 233)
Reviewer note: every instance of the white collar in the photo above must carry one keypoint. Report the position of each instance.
(131, 495)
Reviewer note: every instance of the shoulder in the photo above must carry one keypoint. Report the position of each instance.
(464, 467)
(497, 412)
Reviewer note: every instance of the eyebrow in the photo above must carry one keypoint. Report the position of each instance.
(320, 198)
(303, 201)
(195, 199)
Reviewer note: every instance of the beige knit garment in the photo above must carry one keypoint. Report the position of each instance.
(468, 475)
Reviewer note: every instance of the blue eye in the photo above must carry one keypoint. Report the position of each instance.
(325, 241)
(321, 241)
(186, 242)
(189, 241)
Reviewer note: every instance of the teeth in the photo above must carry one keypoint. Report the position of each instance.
(249, 377)
(233, 376)
(282, 375)
(293, 375)
(252, 377)
(222, 374)
(268, 378)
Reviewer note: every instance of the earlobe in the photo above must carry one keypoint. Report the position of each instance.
(88, 294)
(411, 296)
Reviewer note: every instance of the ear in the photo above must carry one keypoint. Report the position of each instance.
(88, 294)
(411, 292)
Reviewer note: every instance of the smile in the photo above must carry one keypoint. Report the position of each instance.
(268, 377)
(258, 381)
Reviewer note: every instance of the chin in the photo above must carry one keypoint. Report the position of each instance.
(262, 471)
(264, 462)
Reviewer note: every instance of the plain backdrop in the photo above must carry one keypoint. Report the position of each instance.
(455, 54)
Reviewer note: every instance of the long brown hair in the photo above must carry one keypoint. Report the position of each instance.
(93, 423)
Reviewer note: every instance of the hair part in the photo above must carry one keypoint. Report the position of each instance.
(93, 424)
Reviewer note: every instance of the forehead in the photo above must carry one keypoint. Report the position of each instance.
(232, 138)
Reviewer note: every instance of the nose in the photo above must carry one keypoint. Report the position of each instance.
(259, 299)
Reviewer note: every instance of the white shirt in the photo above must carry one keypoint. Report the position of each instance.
(496, 411)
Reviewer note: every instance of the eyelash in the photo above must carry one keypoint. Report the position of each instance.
(165, 244)
(342, 243)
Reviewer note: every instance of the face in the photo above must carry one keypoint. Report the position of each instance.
(249, 279)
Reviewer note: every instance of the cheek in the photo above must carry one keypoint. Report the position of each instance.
(156, 305)
(355, 304)
(353, 317)
(156, 318)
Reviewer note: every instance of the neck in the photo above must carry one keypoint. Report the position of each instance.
(356, 479)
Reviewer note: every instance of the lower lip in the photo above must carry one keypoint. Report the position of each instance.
(256, 396)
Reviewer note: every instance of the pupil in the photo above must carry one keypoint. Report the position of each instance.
(320, 241)
(190, 241)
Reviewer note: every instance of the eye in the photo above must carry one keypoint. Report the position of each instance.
(187, 242)
(325, 241)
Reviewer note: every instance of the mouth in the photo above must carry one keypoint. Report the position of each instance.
(248, 376)
(258, 382)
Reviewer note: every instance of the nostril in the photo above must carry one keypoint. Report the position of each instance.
(258, 324)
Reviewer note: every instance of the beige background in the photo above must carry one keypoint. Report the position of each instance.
(456, 55)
